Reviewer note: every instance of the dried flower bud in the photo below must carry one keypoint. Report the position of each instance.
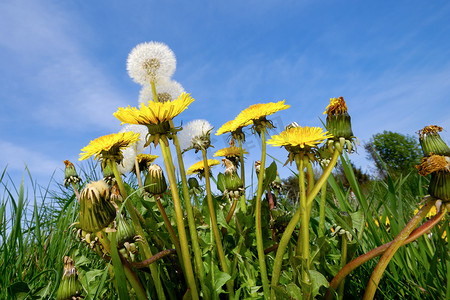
(70, 287)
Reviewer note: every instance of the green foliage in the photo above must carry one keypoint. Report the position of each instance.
(393, 152)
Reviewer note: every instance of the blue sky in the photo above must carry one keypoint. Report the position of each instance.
(63, 68)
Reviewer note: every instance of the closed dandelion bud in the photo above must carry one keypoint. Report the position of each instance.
(70, 174)
(69, 288)
(338, 119)
(431, 141)
(155, 182)
(124, 232)
(193, 183)
(96, 209)
(233, 182)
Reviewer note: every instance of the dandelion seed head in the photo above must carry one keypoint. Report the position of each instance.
(167, 90)
(192, 131)
(152, 61)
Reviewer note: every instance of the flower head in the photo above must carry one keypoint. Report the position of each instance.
(439, 168)
(167, 90)
(154, 112)
(257, 114)
(199, 168)
(70, 287)
(339, 125)
(155, 182)
(232, 153)
(151, 62)
(195, 135)
(109, 146)
(299, 140)
(144, 160)
(431, 141)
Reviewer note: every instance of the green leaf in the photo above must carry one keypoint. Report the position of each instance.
(270, 174)
(317, 281)
(220, 279)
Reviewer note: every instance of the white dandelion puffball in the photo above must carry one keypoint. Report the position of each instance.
(130, 153)
(167, 90)
(151, 61)
(193, 130)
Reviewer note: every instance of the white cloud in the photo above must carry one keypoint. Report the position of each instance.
(70, 87)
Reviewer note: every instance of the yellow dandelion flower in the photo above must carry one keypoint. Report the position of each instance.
(300, 137)
(258, 112)
(109, 145)
(154, 112)
(146, 158)
(229, 152)
(199, 167)
(336, 106)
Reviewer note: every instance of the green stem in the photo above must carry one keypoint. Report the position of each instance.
(396, 243)
(172, 234)
(179, 219)
(310, 185)
(296, 218)
(303, 246)
(157, 256)
(190, 216)
(241, 159)
(379, 251)
(137, 226)
(214, 227)
(155, 95)
(258, 226)
(343, 263)
(323, 196)
(75, 190)
(129, 273)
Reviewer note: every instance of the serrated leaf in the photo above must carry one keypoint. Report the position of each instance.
(317, 281)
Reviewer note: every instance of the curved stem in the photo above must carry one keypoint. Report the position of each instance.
(179, 219)
(214, 227)
(380, 250)
(137, 226)
(241, 159)
(258, 226)
(75, 190)
(396, 243)
(296, 218)
(157, 256)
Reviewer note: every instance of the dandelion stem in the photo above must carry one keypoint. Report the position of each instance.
(214, 227)
(258, 226)
(343, 263)
(190, 217)
(295, 219)
(323, 196)
(75, 190)
(179, 218)
(377, 273)
(137, 226)
(241, 159)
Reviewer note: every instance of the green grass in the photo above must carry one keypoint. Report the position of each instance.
(35, 235)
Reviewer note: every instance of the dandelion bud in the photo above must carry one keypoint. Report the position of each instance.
(124, 232)
(338, 119)
(69, 288)
(96, 209)
(431, 141)
(193, 183)
(155, 182)
(233, 182)
(70, 174)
